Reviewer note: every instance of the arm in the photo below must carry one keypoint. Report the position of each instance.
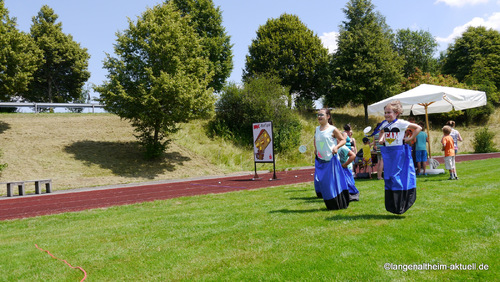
(353, 144)
(351, 158)
(416, 130)
(340, 140)
(381, 139)
(459, 137)
(315, 151)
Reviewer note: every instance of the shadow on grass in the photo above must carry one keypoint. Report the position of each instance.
(343, 217)
(312, 199)
(286, 211)
(366, 217)
(306, 198)
(298, 190)
(4, 127)
(123, 158)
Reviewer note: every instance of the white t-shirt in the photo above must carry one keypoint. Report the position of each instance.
(454, 134)
(325, 142)
(395, 133)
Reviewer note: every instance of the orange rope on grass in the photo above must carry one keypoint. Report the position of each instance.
(74, 267)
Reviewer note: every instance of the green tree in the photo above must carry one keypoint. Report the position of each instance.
(260, 99)
(207, 21)
(287, 49)
(84, 98)
(476, 115)
(365, 67)
(64, 71)
(418, 49)
(483, 79)
(159, 78)
(419, 77)
(474, 56)
(19, 57)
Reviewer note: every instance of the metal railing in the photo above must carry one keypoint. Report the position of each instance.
(37, 106)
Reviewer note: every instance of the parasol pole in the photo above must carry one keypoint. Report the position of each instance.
(428, 131)
(425, 105)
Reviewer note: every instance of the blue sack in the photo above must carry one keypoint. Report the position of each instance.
(399, 177)
(330, 182)
(351, 185)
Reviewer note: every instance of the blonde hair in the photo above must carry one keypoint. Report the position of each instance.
(446, 129)
(395, 106)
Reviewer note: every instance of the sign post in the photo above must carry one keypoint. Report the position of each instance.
(263, 145)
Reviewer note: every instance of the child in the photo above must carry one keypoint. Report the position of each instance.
(421, 150)
(329, 178)
(367, 155)
(455, 135)
(350, 142)
(399, 172)
(346, 158)
(376, 146)
(358, 161)
(408, 134)
(449, 152)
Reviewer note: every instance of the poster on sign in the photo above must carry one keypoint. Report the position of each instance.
(263, 142)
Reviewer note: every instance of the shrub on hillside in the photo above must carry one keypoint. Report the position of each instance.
(480, 115)
(260, 99)
(483, 141)
(2, 166)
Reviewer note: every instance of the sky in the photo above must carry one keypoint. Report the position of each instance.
(94, 23)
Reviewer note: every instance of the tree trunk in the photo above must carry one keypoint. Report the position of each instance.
(49, 90)
(156, 134)
(365, 105)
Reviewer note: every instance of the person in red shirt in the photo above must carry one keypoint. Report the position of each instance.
(449, 152)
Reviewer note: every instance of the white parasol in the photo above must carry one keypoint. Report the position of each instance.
(428, 99)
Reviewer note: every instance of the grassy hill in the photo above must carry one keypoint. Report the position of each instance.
(86, 150)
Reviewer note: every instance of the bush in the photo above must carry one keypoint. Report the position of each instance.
(287, 135)
(480, 115)
(261, 99)
(483, 141)
(2, 166)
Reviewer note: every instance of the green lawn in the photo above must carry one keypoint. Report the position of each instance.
(283, 234)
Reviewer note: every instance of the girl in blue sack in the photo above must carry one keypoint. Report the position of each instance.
(399, 172)
(329, 179)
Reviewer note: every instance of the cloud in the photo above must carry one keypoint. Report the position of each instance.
(492, 22)
(461, 3)
(329, 40)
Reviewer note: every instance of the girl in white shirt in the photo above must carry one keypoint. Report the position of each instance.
(329, 180)
(399, 172)
(327, 138)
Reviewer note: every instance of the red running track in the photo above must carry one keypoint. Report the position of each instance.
(64, 201)
(69, 201)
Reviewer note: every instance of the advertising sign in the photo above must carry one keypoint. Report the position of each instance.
(263, 142)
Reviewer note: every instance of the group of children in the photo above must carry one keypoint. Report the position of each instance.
(334, 180)
(449, 143)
